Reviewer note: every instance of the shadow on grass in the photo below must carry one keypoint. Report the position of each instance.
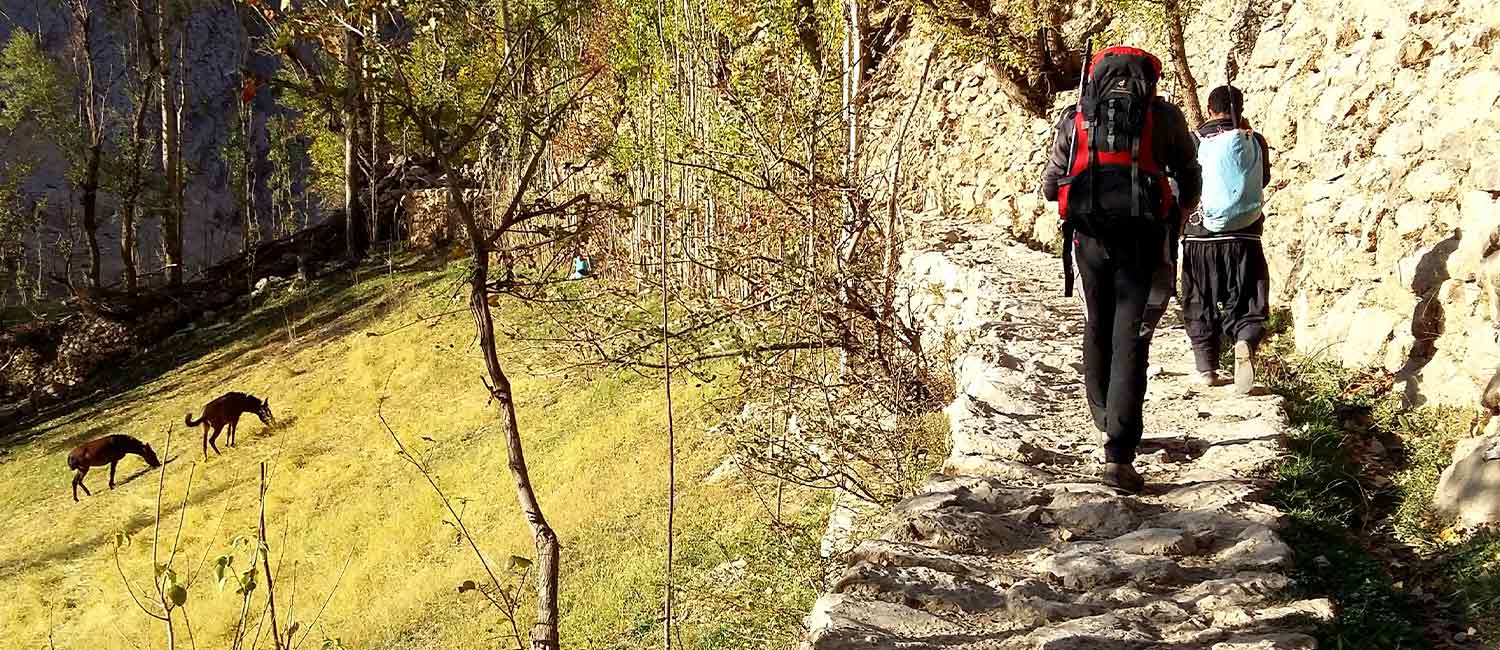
(335, 306)
(82, 545)
(1338, 526)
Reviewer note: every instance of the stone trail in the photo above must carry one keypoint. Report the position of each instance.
(1016, 546)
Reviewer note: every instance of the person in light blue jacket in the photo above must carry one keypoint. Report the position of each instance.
(1225, 280)
(583, 267)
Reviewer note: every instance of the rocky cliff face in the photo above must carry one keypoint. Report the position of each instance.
(1384, 216)
(216, 47)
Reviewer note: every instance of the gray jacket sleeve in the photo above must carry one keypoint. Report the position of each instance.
(1057, 161)
(1177, 149)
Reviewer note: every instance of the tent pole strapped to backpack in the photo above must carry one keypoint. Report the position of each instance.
(1067, 230)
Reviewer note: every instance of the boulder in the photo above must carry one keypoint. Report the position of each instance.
(1469, 489)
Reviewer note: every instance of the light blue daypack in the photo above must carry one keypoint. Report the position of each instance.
(1233, 175)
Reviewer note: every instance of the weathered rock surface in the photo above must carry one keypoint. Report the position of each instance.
(1384, 211)
(1466, 491)
(1018, 547)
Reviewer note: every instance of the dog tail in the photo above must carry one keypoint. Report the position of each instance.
(190, 421)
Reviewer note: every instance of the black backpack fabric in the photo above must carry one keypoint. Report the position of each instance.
(1116, 189)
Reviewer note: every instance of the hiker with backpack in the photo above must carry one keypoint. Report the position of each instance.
(1225, 280)
(1108, 170)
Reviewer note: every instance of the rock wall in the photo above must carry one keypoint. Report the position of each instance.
(216, 46)
(1384, 215)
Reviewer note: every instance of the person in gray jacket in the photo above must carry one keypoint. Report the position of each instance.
(1109, 170)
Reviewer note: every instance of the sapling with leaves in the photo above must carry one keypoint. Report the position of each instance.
(245, 568)
(493, 77)
(167, 599)
(503, 590)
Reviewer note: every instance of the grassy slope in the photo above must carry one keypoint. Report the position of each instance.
(597, 453)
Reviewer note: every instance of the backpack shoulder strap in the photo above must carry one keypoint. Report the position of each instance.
(1081, 144)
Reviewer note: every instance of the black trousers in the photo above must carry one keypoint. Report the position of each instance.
(1226, 289)
(1117, 285)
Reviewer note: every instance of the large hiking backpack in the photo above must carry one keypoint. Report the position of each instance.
(1233, 175)
(1116, 188)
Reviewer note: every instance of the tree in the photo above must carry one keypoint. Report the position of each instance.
(461, 74)
(91, 100)
(1173, 12)
(139, 58)
(169, 87)
(355, 231)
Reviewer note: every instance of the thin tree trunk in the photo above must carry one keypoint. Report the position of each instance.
(354, 223)
(371, 173)
(171, 143)
(247, 224)
(90, 109)
(90, 199)
(855, 222)
(265, 556)
(548, 551)
(131, 200)
(1178, 45)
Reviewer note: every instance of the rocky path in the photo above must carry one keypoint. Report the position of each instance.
(1017, 546)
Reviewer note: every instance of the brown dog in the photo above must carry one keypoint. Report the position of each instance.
(226, 411)
(106, 451)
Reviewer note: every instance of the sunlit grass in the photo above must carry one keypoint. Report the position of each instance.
(596, 445)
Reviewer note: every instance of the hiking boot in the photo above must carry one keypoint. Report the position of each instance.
(1210, 378)
(1244, 368)
(1123, 477)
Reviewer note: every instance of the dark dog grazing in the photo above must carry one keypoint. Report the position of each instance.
(226, 411)
(106, 451)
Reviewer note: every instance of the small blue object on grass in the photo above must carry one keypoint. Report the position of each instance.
(582, 268)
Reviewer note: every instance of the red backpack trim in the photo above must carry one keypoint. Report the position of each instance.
(1121, 50)
(1145, 160)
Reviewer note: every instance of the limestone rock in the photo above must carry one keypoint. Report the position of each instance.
(1269, 642)
(1469, 489)
(1258, 548)
(1156, 541)
(1087, 566)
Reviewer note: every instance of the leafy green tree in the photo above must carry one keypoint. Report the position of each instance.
(472, 81)
(38, 93)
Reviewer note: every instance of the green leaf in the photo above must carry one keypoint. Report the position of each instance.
(178, 595)
(247, 583)
(223, 570)
(517, 563)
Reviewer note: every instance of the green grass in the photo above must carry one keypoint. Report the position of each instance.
(1332, 500)
(595, 442)
(1319, 489)
(1428, 436)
